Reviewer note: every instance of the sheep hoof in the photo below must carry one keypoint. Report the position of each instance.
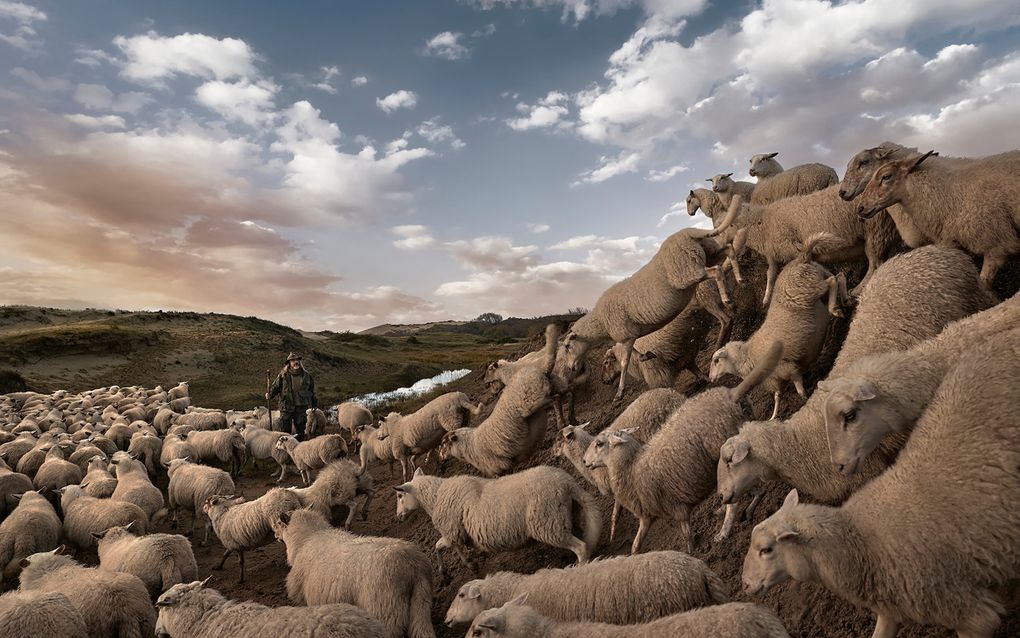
(720, 537)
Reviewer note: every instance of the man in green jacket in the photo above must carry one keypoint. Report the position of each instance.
(296, 388)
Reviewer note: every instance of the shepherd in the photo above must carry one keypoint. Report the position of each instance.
(296, 388)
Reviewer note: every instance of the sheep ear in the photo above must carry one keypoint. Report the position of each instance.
(400, 489)
(917, 162)
(709, 179)
(792, 499)
(61, 550)
(472, 591)
(520, 600)
(284, 518)
(740, 451)
(630, 430)
(728, 175)
(691, 194)
(24, 563)
(824, 386)
(17, 497)
(98, 535)
(788, 535)
(771, 155)
(864, 392)
(129, 525)
(418, 472)
(881, 152)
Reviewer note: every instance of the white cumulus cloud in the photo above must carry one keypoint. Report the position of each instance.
(401, 99)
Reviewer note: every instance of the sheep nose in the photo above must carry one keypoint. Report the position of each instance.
(727, 497)
(843, 195)
(841, 467)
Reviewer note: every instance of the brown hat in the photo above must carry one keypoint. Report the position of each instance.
(293, 357)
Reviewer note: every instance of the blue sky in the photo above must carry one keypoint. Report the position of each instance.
(342, 164)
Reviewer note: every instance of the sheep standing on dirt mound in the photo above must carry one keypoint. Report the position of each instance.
(85, 515)
(160, 561)
(203, 421)
(40, 614)
(621, 590)
(798, 317)
(645, 415)
(975, 206)
(175, 447)
(726, 187)
(516, 620)
(650, 298)
(339, 483)
(32, 527)
(224, 446)
(350, 415)
(775, 184)
(541, 503)
(312, 455)
(98, 482)
(671, 474)
(147, 448)
(194, 610)
(868, 551)
(261, 445)
(110, 603)
(134, 486)
(190, 485)
(387, 577)
(244, 525)
(912, 298)
(422, 431)
(373, 448)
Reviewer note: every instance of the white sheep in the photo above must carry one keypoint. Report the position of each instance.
(387, 577)
(98, 482)
(650, 298)
(373, 448)
(946, 559)
(160, 561)
(225, 446)
(244, 525)
(350, 415)
(175, 446)
(314, 454)
(134, 486)
(315, 420)
(32, 527)
(11, 484)
(516, 620)
(50, 614)
(726, 187)
(975, 206)
(339, 483)
(147, 447)
(55, 472)
(775, 184)
(420, 432)
(110, 603)
(911, 298)
(190, 485)
(261, 445)
(499, 514)
(85, 515)
(194, 610)
(620, 590)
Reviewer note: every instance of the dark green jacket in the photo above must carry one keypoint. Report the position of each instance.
(295, 390)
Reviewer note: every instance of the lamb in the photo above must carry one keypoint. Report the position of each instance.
(646, 413)
(648, 299)
(621, 590)
(350, 415)
(190, 485)
(84, 515)
(665, 353)
(225, 446)
(40, 614)
(726, 187)
(339, 483)
(373, 448)
(975, 206)
(261, 445)
(671, 474)
(514, 429)
(175, 447)
(11, 484)
(492, 515)
(147, 448)
(98, 481)
(422, 431)
(32, 527)
(885, 394)
(314, 454)
(918, 293)
(244, 525)
(134, 486)
(110, 603)
(867, 551)
(389, 578)
(197, 611)
(55, 472)
(316, 422)
(775, 184)
(797, 317)
(160, 561)
(516, 620)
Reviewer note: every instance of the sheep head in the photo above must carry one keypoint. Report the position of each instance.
(776, 552)
(764, 165)
(610, 446)
(721, 183)
(610, 366)
(855, 421)
(739, 470)
(512, 619)
(467, 604)
(887, 185)
(574, 348)
(722, 364)
(566, 435)
(693, 203)
(176, 594)
(860, 169)
(407, 496)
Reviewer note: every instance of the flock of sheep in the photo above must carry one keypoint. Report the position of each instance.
(909, 450)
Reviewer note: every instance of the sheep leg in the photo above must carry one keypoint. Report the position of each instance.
(834, 308)
(775, 405)
(352, 509)
(885, 627)
(612, 519)
(719, 274)
(770, 281)
(644, 523)
(749, 512)
(685, 531)
(798, 383)
(283, 471)
(240, 554)
(727, 524)
(992, 262)
(628, 349)
(580, 550)
(223, 560)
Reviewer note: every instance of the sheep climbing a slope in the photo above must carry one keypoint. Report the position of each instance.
(775, 183)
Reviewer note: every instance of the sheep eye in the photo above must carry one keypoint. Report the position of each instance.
(460, 594)
(598, 444)
(850, 416)
(863, 162)
(765, 551)
(887, 177)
